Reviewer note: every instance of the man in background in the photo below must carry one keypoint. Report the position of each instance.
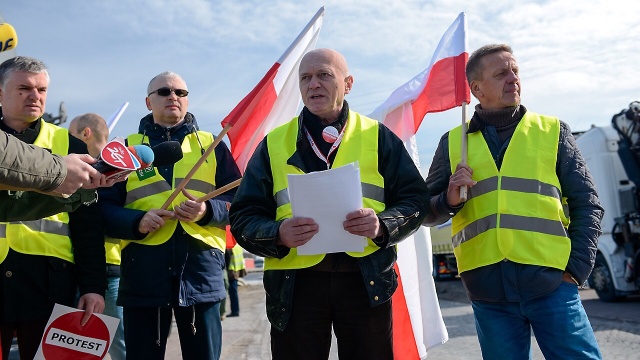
(234, 258)
(92, 129)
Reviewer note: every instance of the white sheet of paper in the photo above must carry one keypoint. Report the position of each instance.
(327, 197)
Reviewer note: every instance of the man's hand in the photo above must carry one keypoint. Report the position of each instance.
(190, 210)
(153, 220)
(296, 231)
(363, 222)
(80, 173)
(90, 303)
(461, 177)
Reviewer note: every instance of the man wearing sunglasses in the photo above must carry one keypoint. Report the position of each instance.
(172, 260)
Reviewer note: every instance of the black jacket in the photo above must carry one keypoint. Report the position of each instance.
(37, 282)
(253, 214)
(507, 280)
(183, 271)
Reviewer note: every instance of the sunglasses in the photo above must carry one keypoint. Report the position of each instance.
(165, 91)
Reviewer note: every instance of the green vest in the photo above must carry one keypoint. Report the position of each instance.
(359, 143)
(48, 236)
(153, 191)
(516, 212)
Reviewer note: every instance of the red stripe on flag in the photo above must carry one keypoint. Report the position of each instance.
(446, 88)
(247, 116)
(404, 341)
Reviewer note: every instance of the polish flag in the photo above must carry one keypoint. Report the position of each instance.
(274, 101)
(417, 320)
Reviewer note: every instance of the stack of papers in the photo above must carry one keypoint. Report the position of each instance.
(327, 197)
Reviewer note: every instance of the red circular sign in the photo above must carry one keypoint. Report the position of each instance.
(65, 338)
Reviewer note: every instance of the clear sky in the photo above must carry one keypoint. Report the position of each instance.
(577, 59)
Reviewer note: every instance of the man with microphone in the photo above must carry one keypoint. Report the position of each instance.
(173, 255)
(46, 260)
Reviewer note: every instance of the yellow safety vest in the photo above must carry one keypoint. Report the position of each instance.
(359, 143)
(112, 250)
(152, 192)
(48, 236)
(516, 212)
(237, 261)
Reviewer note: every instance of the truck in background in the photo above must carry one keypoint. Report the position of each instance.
(444, 261)
(612, 154)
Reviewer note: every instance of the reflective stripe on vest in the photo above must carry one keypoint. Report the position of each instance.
(359, 144)
(48, 236)
(151, 193)
(515, 213)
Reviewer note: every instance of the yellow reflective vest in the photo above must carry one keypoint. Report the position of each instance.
(153, 191)
(359, 144)
(48, 236)
(237, 260)
(112, 250)
(516, 212)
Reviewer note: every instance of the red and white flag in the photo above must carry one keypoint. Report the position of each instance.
(417, 320)
(274, 101)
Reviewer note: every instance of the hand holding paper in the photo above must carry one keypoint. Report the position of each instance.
(297, 231)
(328, 197)
(363, 222)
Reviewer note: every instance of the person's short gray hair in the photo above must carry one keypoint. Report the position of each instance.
(21, 63)
(474, 65)
(162, 74)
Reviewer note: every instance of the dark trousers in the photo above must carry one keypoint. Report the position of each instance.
(339, 299)
(29, 335)
(145, 327)
(234, 301)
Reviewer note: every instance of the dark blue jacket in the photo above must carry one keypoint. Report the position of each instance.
(183, 271)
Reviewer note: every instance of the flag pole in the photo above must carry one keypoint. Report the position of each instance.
(463, 151)
(219, 191)
(195, 168)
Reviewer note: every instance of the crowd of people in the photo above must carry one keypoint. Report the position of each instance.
(524, 237)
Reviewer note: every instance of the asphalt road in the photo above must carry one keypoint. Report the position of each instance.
(616, 325)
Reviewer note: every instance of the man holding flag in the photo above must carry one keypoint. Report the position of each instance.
(307, 295)
(520, 258)
(172, 258)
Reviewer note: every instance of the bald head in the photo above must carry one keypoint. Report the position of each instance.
(92, 129)
(324, 82)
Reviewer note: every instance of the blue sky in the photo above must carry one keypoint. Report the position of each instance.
(577, 58)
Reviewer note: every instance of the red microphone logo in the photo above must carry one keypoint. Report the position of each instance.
(117, 155)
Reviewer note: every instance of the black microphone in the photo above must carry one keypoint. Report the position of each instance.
(167, 153)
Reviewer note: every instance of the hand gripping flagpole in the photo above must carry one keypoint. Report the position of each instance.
(195, 168)
(463, 149)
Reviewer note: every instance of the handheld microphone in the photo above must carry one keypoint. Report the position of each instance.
(167, 153)
(116, 160)
(8, 37)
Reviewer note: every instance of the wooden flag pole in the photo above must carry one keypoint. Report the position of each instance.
(463, 150)
(195, 168)
(219, 191)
